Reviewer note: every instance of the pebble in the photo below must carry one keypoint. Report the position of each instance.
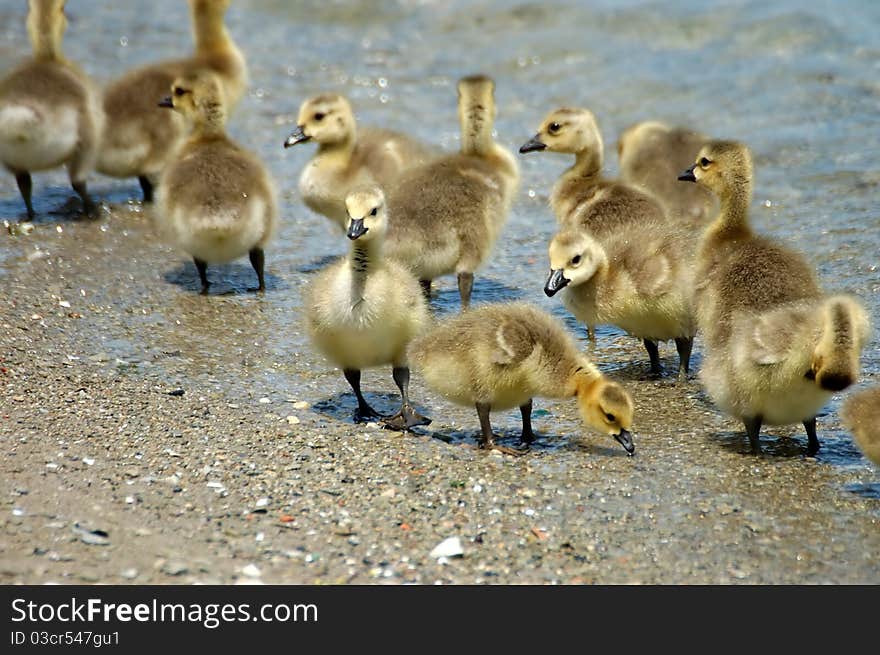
(301, 404)
(293, 420)
(265, 401)
(251, 571)
(174, 567)
(129, 574)
(450, 547)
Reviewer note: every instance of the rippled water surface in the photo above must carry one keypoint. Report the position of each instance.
(798, 82)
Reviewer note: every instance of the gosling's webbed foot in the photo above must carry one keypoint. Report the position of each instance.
(365, 414)
(405, 419)
(516, 452)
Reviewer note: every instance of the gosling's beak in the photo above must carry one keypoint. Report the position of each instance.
(625, 439)
(166, 102)
(356, 228)
(533, 145)
(297, 136)
(555, 282)
(688, 175)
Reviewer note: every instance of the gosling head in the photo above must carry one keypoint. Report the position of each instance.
(721, 166)
(46, 24)
(367, 214)
(607, 407)
(575, 258)
(566, 130)
(327, 119)
(199, 98)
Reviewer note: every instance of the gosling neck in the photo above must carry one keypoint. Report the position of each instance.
(587, 164)
(211, 123)
(734, 208)
(583, 378)
(45, 47)
(339, 151)
(209, 31)
(364, 258)
(476, 132)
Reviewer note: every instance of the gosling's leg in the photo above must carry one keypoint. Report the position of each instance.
(684, 345)
(812, 439)
(527, 435)
(488, 441)
(753, 429)
(591, 333)
(465, 286)
(25, 187)
(364, 412)
(146, 187)
(90, 209)
(258, 261)
(407, 417)
(426, 288)
(654, 354)
(202, 268)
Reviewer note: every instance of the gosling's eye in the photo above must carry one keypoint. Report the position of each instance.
(319, 116)
(373, 211)
(178, 91)
(610, 417)
(554, 128)
(576, 260)
(704, 162)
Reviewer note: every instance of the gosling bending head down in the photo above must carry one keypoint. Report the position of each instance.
(500, 356)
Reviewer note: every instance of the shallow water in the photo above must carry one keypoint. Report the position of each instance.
(798, 84)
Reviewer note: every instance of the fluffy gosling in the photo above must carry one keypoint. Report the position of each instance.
(583, 196)
(640, 281)
(501, 356)
(49, 111)
(861, 415)
(776, 346)
(363, 311)
(447, 214)
(140, 138)
(216, 200)
(347, 157)
(651, 155)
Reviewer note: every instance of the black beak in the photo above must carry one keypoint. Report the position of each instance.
(533, 145)
(297, 136)
(166, 102)
(555, 282)
(356, 228)
(625, 439)
(688, 175)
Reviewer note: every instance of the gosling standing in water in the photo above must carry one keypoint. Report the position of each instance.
(776, 346)
(363, 311)
(216, 200)
(651, 156)
(582, 196)
(348, 157)
(501, 356)
(640, 281)
(861, 415)
(447, 214)
(139, 137)
(50, 114)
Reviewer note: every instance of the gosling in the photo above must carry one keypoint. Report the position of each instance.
(640, 281)
(776, 346)
(50, 114)
(861, 414)
(216, 200)
(501, 356)
(582, 196)
(347, 157)
(447, 214)
(363, 311)
(140, 138)
(651, 154)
